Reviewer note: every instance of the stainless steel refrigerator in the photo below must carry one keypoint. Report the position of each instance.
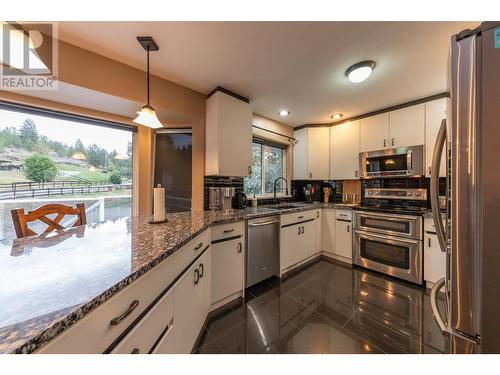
(470, 235)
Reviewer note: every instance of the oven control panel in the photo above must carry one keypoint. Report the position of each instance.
(409, 194)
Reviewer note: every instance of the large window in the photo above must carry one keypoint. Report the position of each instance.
(48, 157)
(269, 163)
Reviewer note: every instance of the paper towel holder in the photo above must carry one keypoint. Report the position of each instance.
(153, 221)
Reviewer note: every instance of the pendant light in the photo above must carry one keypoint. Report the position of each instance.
(147, 115)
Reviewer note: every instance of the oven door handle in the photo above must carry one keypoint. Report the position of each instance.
(386, 238)
(372, 215)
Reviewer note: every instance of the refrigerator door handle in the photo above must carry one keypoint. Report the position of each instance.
(436, 161)
(434, 306)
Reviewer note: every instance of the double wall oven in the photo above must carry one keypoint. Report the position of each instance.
(390, 240)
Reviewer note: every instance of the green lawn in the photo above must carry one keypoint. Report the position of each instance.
(84, 172)
(94, 195)
(7, 177)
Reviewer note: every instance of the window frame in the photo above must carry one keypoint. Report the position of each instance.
(284, 149)
(90, 121)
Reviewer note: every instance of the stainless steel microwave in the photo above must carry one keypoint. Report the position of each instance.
(392, 162)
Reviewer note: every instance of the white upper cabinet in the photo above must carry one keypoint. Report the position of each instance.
(406, 126)
(435, 112)
(374, 133)
(228, 136)
(344, 151)
(311, 154)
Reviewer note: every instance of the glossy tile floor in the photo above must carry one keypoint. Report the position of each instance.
(326, 308)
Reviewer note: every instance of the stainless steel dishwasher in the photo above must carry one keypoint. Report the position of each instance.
(263, 249)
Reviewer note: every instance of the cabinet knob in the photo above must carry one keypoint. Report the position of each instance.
(429, 169)
(298, 231)
(302, 230)
(356, 173)
(392, 141)
(249, 169)
(240, 247)
(385, 142)
(348, 229)
(429, 241)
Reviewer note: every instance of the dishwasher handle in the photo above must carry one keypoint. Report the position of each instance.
(263, 223)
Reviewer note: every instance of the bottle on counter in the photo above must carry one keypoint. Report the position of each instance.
(254, 202)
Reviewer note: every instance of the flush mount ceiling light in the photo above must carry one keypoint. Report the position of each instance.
(147, 114)
(284, 113)
(360, 71)
(336, 116)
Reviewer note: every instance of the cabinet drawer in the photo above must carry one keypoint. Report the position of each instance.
(220, 232)
(183, 257)
(95, 333)
(143, 336)
(297, 217)
(343, 214)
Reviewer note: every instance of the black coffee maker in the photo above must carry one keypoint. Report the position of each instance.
(241, 200)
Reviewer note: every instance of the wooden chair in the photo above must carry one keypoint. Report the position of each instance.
(21, 219)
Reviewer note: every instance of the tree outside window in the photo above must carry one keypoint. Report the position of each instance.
(268, 165)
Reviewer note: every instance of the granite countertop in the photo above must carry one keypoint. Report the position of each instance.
(47, 284)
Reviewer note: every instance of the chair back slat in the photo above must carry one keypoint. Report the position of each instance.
(21, 219)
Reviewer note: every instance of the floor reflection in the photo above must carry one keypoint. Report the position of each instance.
(327, 308)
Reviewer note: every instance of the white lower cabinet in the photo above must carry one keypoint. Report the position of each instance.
(343, 234)
(227, 269)
(298, 242)
(191, 303)
(328, 232)
(319, 230)
(434, 258)
(337, 233)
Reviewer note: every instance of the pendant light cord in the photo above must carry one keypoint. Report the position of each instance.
(148, 72)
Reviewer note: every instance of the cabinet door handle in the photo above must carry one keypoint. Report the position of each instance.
(228, 231)
(310, 175)
(299, 230)
(201, 268)
(198, 247)
(348, 229)
(302, 230)
(135, 351)
(196, 276)
(385, 142)
(392, 141)
(249, 169)
(300, 217)
(429, 241)
(240, 247)
(317, 215)
(429, 169)
(356, 173)
(119, 319)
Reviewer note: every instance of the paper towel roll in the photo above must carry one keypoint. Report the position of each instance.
(159, 203)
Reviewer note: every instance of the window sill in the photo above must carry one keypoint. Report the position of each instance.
(271, 196)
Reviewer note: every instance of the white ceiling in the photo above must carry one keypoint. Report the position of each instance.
(297, 66)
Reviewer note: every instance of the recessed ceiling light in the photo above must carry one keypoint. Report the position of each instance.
(336, 116)
(284, 113)
(360, 71)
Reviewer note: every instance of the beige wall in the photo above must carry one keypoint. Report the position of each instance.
(177, 106)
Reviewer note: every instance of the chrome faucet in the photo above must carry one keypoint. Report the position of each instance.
(286, 185)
